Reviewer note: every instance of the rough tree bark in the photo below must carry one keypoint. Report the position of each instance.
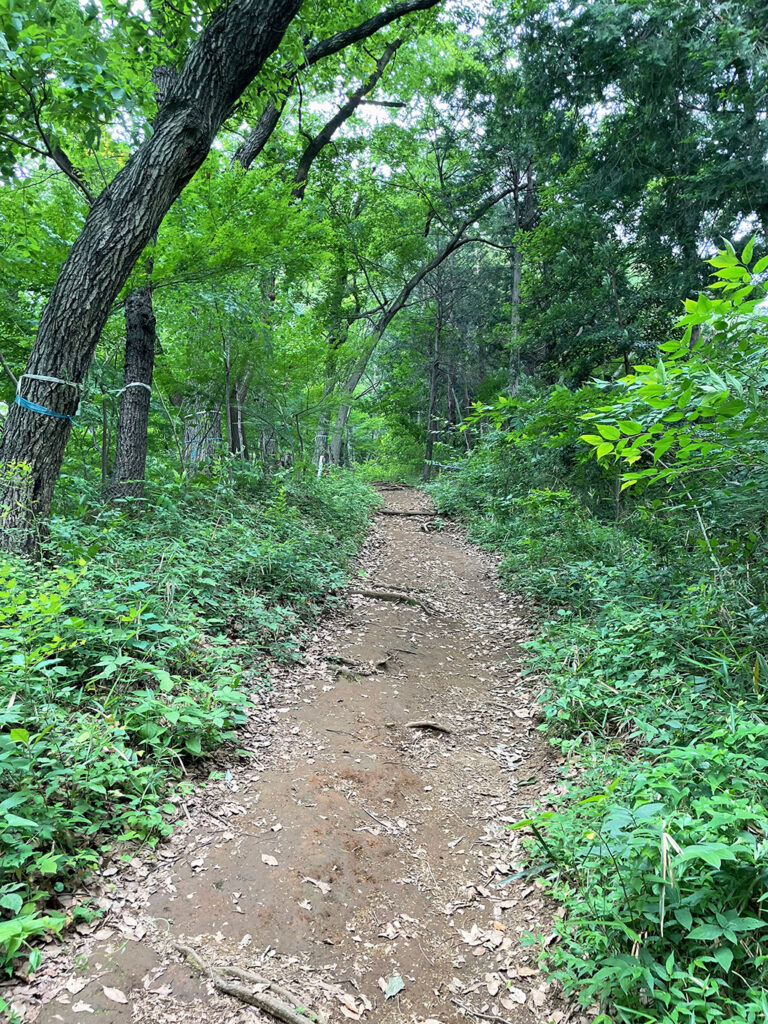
(228, 55)
(127, 480)
(202, 432)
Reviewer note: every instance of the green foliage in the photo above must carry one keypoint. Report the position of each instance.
(143, 641)
(701, 408)
(654, 652)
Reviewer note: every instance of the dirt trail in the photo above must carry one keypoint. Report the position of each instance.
(349, 848)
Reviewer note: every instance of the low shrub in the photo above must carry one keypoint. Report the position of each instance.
(139, 641)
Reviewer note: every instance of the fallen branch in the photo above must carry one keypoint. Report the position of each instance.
(391, 595)
(428, 725)
(394, 512)
(282, 1006)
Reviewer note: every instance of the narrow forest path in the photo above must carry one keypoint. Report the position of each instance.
(351, 847)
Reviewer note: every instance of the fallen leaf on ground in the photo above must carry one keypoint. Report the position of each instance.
(322, 886)
(394, 985)
(267, 858)
(82, 1008)
(539, 997)
(516, 994)
(493, 984)
(115, 995)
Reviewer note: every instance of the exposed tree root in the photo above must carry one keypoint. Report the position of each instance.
(428, 725)
(394, 512)
(275, 1000)
(391, 595)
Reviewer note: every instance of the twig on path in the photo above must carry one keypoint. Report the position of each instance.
(428, 725)
(388, 826)
(477, 1013)
(282, 1005)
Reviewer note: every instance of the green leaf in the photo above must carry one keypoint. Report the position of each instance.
(732, 407)
(609, 432)
(19, 735)
(746, 254)
(15, 819)
(48, 864)
(706, 931)
(684, 917)
(630, 427)
(604, 449)
(711, 853)
(193, 745)
(724, 957)
(12, 901)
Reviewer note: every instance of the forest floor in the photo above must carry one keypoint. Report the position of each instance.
(351, 851)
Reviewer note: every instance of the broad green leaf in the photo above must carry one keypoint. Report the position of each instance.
(609, 432)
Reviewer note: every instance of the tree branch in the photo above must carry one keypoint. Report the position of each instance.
(253, 145)
(343, 114)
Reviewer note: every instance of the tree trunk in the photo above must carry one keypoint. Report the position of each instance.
(516, 267)
(202, 432)
(228, 55)
(321, 438)
(434, 368)
(456, 241)
(342, 415)
(127, 480)
(238, 444)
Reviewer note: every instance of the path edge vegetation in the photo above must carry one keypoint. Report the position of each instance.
(133, 653)
(631, 513)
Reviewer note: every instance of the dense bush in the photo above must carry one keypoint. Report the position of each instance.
(654, 645)
(140, 640)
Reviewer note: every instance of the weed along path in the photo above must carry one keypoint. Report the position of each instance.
(350, 867)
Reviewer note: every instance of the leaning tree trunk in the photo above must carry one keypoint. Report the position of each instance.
(228, 55)
(342, 414)
(127, 480)
(455, 242)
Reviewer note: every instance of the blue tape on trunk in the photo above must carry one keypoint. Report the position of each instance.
(41, 409)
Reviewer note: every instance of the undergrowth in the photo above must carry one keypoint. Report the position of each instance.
(656, 689)
(139, 642)
(653, 642)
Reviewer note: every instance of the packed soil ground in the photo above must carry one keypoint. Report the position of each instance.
(356, 857)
